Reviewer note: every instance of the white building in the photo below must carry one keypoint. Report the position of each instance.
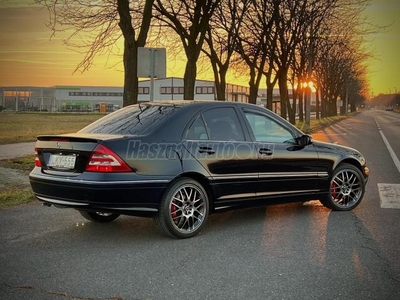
(107, 98)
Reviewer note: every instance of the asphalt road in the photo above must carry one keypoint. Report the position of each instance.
(292, 251)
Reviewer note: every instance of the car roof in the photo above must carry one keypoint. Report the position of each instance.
(199, 103)
(188, 110)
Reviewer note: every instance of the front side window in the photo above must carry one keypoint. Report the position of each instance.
(268, 130)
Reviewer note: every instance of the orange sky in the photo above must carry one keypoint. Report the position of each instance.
(29, 57)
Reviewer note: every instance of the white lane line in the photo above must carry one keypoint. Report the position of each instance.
(390, 195)
(390, 149)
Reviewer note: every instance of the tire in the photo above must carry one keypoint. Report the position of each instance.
(98, 216)
(346, 188)
(183, 209)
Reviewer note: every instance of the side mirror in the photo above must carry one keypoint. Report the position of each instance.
(304, 140)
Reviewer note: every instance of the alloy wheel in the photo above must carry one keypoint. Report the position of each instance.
(346, 188)
(187, 208)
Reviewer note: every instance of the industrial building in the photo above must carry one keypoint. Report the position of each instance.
(107, 98)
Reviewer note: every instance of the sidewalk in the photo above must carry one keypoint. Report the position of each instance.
(16, 150)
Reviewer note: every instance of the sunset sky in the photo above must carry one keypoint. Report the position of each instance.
(29, 58)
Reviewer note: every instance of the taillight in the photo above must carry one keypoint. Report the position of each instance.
(37, 160)
(103, 159)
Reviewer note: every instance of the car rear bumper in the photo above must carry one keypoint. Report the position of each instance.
(133, 197)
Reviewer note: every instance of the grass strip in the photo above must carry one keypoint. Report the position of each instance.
(16, 194)
(24, 127)
(10, 197)
(25, 163)
(318, 124)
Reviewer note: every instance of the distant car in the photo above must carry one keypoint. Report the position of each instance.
(179, 161)
(390, 108)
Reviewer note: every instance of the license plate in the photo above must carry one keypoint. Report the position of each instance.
(62, 161)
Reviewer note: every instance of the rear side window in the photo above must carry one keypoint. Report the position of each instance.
(223, 124)
(198, 130)
(132, 119)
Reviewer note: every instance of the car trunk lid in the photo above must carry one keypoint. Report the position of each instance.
(67, 154)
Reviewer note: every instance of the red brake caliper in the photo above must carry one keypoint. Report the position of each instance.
(333, 189)
(174, 214)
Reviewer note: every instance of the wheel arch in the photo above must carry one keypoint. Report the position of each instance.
(203, 181)
(350, 161)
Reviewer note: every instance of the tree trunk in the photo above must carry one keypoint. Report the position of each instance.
(130, 54)
(332, 110)
(270, 88)
(286, 109)
(323, 105)
(131, 82)
(253, 94)
(221, 88)
(270, 96)
(189, 79)
(317, 108)
(301, 104)
(220, 71)
(254, 84)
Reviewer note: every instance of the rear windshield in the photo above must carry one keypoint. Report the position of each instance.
(132, 119)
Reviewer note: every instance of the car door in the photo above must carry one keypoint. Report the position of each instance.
(285, 168)
(217, 141)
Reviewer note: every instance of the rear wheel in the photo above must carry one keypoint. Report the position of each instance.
(346, 188)
(183, 209)
(98, 216)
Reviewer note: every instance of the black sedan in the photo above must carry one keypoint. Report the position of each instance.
(179, 161)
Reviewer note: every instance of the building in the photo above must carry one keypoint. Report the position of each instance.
(107, 98)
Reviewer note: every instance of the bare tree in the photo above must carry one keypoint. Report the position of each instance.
(95, 28)
(190, 20)
(299, 75)
(143, 14)
(339, 56)
(253, 40)
(221, 40)
(298, 20)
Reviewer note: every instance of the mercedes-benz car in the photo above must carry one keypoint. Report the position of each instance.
(180, 161)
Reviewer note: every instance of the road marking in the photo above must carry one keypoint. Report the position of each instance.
(389, 194)
(392, 153)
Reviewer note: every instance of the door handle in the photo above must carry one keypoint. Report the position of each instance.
(265, 151)
(207, 150)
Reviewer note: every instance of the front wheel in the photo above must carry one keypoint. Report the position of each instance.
(98, 216)
(346, 188)
(183, 209)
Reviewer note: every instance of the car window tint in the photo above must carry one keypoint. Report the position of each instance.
(268, 130)
(223, 124)
(132, 119)
(197, 130)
